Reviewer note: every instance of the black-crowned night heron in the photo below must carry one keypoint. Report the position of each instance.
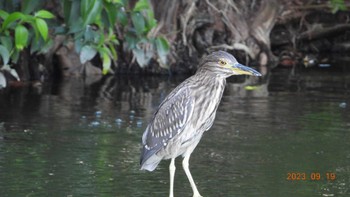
(186, 113)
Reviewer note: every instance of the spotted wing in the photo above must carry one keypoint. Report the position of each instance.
(170, 120)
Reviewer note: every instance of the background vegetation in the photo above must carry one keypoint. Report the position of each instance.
(95, 28)
(39, 39)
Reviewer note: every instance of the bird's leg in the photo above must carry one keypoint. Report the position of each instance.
(185, 165)
(172, 174)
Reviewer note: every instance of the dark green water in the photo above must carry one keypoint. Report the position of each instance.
(83, 139)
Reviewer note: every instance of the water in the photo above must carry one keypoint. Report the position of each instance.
(82, 138)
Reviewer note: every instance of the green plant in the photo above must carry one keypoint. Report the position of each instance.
(140, 38)
(94, 30)
(19, 30)
(97, 27)
(337, 5)
(90, 31)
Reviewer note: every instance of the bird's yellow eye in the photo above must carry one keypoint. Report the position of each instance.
(222, 62)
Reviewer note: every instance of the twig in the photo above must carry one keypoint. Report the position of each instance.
(185, 19)
(212, 6)
(225, 19)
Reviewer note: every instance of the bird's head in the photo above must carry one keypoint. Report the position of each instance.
(224, 64)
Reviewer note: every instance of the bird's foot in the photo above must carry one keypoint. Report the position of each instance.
(197, 195)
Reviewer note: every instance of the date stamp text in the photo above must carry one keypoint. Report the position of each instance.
(313, 176)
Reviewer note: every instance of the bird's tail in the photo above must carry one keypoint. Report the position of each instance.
(150, 163)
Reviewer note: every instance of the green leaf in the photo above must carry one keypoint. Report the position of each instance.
(101, 40)
(106, 61)
(84, 8)
(139, 22)
(5, 55)
(90, 35)
(143, 56)
(122, 17)
(151, 21)
(42, 27)
(67, 6)
(28, 6)
(93, 11)
(131, 41)
(11, 71)
(141, 5)
(120, 2)
(11, 18)
(113, 51)
(36, 44)
(111, 12)
(3, 14)
(112, 37)
(3, 82)
(78, 45)
(337, 5)
(7, 42)
(14, 74)
(36, 33)
(21, 37)
(44, 14)
(15, 56)
(87, 53)
(70, 9)
(162, 49)
(77, 27)
(251, 88)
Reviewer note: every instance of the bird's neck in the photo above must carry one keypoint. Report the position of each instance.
(207, 77)
(209, 84)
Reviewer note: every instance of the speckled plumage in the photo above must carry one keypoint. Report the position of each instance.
(169, 133)
(187, 112)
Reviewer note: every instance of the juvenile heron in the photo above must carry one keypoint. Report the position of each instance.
(186, 113)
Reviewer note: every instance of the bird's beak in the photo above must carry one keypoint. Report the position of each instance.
(240, 69)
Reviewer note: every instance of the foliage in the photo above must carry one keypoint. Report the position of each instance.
(139, 37)
(91, 34)
(337, 5)
(19, 30)
(93, 25)
(94, 30)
